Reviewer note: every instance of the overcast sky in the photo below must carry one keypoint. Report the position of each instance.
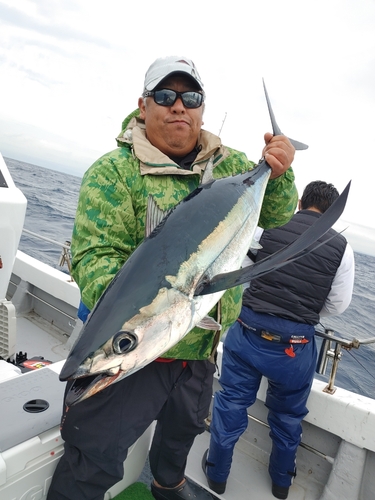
(71, 70)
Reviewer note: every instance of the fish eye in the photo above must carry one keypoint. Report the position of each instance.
(124, 342)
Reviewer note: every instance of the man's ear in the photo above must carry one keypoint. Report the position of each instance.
(299, 205)
(142, 108)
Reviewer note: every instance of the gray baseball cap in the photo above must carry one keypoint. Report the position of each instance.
(165, 66)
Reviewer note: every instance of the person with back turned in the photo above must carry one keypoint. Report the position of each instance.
(274, 337)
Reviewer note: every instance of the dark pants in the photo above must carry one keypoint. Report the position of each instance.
(247, 358)
(98, 431)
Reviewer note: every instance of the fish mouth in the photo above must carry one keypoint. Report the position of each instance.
(84, 387)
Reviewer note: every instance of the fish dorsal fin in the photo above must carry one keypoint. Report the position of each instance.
(208, 323)
(154, 215)
(208, 171)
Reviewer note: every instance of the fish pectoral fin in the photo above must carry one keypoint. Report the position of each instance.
(208, 323)
(301, 246)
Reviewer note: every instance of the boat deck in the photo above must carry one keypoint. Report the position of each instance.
(36, 341)
(249, 477)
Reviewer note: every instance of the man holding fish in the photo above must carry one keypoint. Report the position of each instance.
(162, 156)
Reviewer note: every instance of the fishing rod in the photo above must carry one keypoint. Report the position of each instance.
(222, 124)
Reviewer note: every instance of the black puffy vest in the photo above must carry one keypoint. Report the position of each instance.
(298, 290)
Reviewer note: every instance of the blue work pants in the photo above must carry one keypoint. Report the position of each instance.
(289, 369)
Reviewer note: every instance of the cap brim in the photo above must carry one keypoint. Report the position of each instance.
(152, 85)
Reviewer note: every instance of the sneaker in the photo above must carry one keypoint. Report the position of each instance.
(280, 491)
(214, 485)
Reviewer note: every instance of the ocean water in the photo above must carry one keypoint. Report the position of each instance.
(52, 199)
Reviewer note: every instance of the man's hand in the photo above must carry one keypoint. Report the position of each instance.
(278, 152)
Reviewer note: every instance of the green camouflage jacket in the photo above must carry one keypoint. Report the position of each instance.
(111, 215)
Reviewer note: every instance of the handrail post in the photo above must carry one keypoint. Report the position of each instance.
(336, 356)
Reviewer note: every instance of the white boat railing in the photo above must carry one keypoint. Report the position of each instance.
(328, 352)
(65, 256)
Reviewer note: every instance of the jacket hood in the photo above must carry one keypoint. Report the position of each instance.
(125, 136)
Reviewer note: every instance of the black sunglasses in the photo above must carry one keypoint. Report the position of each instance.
(167, 97)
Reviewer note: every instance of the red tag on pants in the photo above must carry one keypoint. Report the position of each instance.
(289, 351)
